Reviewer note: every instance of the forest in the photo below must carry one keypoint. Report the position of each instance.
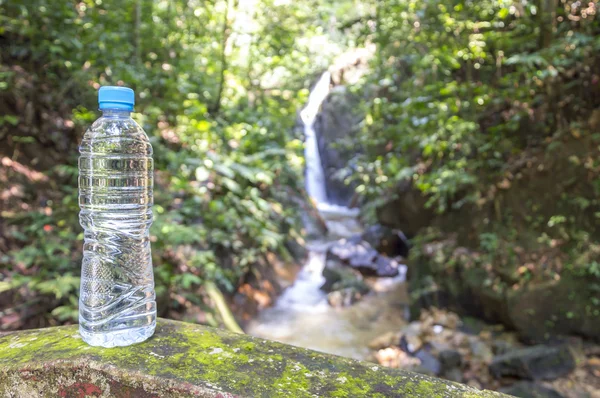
(456, 142)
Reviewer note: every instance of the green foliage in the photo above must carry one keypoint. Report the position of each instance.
(464, 86)
(217, 84)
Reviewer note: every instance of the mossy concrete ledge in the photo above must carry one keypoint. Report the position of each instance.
(187, 360)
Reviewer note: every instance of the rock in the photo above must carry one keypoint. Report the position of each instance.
(337, 133)
(332, 274)
(422, 370)
(526, 389)
(355, 239)
(525, 309)
(406, 210)
(472, 325)
(362, 257)
(410, 338)
(428, 362)
(454, 374)
(576, 347)
(501, 347)
(480, 350)
(410, 343)
(357, 285)
(335, 299)
(344, 285)
(338, 277)
(386, 240)
(439, 346)
(344, 297)
(534, 363)
(385, 340)
(386, 267)
(450, 359)
(393, 357)
(569, 313)
(296, 249)
(314, 227)
(313, 223)
(345, 250)
(440, 317)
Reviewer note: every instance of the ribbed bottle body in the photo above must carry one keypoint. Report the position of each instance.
(117, 304)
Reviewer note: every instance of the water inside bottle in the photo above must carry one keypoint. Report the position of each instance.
(117, 301)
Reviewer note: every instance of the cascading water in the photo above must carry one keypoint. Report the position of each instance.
(341, 220)
(302, 315)
(315, 178)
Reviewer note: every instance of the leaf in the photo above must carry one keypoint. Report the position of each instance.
(503, 13)
(203, 125)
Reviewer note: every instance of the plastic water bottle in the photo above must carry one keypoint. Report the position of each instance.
(117, 304)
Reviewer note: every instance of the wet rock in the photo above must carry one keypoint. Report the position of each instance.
(346, 249)
(386, 240)
(525, 389)
(344, 285)
(355, 239)
(428, 362)
(296, 249)
(314, 226)
(385, 266)
(312, 220)
(450, 359)
(344, 297)
(337, 131)
(362, 257)
(534, 363)
(338, 277)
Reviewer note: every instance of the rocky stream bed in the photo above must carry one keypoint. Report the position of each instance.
(352, 299)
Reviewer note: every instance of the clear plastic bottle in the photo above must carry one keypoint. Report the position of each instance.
(117, 304)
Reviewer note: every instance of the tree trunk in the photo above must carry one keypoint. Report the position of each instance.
(225, 33)
(136, 33)
(547, 22)
(221, 305)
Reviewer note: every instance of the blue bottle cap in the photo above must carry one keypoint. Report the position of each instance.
(115, 97)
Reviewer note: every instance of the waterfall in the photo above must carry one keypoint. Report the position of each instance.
(302, 316)
(315, 177)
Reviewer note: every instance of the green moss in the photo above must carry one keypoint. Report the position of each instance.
(294, 379)
(353, 387)
(184, 359)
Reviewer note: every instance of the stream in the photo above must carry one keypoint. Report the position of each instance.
(301, 316)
